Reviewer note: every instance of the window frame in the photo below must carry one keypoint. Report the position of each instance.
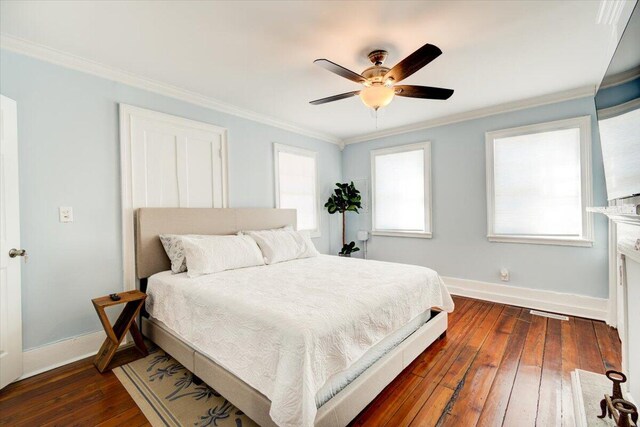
(428, 233)
(282, 148)
(583, 123)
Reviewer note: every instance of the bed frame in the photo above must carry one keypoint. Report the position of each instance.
(151, 259)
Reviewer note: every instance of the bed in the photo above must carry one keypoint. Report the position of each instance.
(299, 343)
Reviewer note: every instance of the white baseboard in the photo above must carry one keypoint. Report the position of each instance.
(555, 302)
(45, 358)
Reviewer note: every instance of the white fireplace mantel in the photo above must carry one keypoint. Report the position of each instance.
(630, 248)
(627, 214)
(624, 286)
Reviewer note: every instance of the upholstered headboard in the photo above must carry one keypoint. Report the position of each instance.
(151, 222)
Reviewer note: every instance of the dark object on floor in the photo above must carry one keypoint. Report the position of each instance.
(616, 378)
(625, 410)
(615, 406)
(196, 380)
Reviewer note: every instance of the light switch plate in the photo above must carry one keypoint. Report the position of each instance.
(65, 213)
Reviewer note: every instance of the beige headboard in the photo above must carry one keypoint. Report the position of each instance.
(151, 222)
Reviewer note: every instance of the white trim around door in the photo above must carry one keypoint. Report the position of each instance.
(167, 161)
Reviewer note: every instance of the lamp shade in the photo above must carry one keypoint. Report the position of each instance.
(377, 96)
(363, 235)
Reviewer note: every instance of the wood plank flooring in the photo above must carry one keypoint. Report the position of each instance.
(498, 365)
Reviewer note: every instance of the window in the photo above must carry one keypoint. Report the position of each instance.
(297, 185)
(401, 190)
(539, 183)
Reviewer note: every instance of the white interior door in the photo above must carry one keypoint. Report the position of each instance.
(168, 162)
(10, 252)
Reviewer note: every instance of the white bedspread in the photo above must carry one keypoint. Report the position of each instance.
(286, 328)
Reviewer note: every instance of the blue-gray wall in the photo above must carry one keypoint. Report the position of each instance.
(70, 156)
(619, 94)
(459, 247)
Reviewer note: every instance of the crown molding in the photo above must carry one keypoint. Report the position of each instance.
(620, 78)
(77, 63)
(537, 101)
(616, 110)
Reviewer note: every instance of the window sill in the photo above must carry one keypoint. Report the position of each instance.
(535, 240)
(414, 234)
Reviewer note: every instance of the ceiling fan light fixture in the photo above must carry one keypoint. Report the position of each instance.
(380, 82)
(377, 96)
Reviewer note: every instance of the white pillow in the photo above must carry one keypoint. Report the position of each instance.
(212, 254)
(283, 244)
(172, 244)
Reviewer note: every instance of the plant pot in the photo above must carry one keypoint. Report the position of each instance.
(345, 255)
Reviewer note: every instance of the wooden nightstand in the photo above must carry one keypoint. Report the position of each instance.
(126, 322)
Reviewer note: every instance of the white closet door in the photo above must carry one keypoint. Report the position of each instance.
(168, 161)
(10, 255)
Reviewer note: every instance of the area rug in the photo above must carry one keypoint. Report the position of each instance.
(589, 388)
(167, 395)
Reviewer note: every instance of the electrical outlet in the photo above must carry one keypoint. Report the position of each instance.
(504, 275)
(65, 213)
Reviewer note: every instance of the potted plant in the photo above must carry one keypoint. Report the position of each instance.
(345, 198)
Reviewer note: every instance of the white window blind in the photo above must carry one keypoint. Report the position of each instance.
(400, 189)
(296, 186)
(536, 184)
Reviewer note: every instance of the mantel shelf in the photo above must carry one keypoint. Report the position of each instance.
(628, 214)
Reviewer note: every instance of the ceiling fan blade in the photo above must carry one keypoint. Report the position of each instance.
(427, 92)
(340, 70)
(413, 62)
(335, 98)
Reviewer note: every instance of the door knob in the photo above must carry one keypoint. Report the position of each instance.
(17, 252)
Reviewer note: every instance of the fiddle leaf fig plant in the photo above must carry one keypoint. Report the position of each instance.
(345, 198)
(349, 248)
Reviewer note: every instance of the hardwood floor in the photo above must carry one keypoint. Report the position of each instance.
(498, 365)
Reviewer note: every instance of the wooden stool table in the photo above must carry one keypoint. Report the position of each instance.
(126, 323)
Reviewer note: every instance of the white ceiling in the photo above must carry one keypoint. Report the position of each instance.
(259, 55)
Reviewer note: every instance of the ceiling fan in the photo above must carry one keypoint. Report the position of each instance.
(380, 82)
